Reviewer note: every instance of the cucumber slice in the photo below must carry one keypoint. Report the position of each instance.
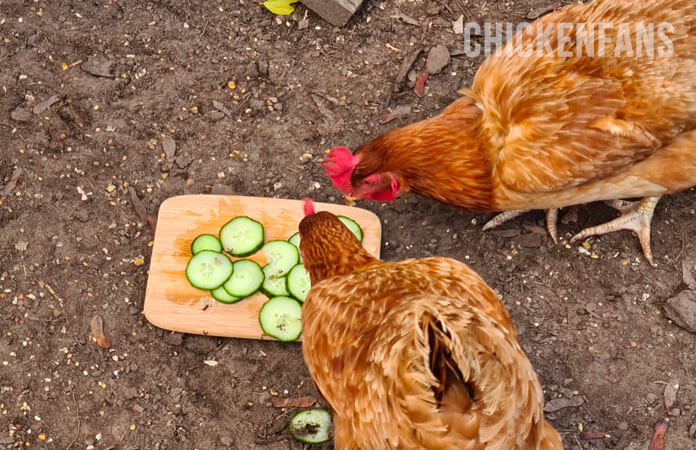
(299, 283)
(281, 318)
(273, 285)
(352, 226)
(311, 426)
(206, 242)
(281, 256)
(208, 269)
(295, 239)
(245, 280)
(241, 236)
(221, 295)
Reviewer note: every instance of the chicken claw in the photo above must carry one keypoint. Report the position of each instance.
(636, 217)
(503, 217)
(551, 218)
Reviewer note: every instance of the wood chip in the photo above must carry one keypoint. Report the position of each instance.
(40, 107)
(169, 148)
(396, 113)
(590, 435)
(99, 67)
(14, 178)
(138, 206)
(220, 107)
(560, 403)
(406, 19)
(298, 402)
(97, 335)
(50, 290)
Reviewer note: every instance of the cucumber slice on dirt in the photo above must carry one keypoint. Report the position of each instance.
(245, 280)
(299, 283)
(281, 256)
(281, 318)
(352, 226)
(312, 426)
(208, 269)
(241, 236)
(206, 242)
(221, 295)
(273, 285)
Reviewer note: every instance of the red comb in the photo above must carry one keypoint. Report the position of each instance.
(339, 165)
(308, 206)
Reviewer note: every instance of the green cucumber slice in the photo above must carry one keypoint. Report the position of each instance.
(221, 295)
(295, 239)
(281, 318)
(281, 256)
(299, 283)
(352, 226)
(206, 242)
(245, 280)
(273, 285)
(208, 269)
(241, 236)
(311, 426)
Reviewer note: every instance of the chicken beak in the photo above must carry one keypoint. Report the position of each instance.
(350, 201)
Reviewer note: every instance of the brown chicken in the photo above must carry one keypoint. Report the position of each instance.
(418, 354)
(582, 120)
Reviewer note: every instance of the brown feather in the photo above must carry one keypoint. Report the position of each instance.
(547, 131)
(414, 354)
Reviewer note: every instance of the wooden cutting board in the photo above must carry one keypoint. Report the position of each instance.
(172, 303)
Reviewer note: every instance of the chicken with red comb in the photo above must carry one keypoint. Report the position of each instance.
(542, 130)
(347, 176)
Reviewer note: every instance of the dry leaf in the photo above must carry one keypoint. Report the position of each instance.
(671, 394)
(97, 335)
(658, 440)
(280, 7)
(419, 88)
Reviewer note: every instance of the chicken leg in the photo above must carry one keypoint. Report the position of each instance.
(636, 216)
(551, 219)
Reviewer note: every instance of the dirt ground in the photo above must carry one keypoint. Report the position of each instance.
(90, 89)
